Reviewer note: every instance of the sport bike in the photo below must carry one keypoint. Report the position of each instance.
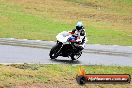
(66, 46)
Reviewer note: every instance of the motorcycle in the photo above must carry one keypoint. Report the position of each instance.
(66, 46)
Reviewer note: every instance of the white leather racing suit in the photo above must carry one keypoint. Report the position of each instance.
(81, 37)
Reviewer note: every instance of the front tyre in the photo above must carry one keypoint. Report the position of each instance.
(54, 52)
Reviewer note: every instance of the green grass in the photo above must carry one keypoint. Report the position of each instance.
(103, 36)
(27, 21)
(11, 75)
(18, 24)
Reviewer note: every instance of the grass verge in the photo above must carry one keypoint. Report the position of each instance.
(25, 74)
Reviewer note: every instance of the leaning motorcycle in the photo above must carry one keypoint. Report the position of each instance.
(66, 46)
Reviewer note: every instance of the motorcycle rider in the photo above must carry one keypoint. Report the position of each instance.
(80, 34)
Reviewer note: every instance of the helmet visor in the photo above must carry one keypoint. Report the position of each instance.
(78, 28)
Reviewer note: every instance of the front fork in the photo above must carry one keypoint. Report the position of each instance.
(60, 45)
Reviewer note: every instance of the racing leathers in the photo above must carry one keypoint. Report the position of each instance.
(81, 38)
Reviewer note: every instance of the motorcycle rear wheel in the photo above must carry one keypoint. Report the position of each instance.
(75, 57)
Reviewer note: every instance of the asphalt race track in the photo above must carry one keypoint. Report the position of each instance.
(20, 54)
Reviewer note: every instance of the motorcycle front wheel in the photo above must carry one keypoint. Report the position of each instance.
(54, 51)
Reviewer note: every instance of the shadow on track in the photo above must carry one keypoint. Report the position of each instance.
(66, 61)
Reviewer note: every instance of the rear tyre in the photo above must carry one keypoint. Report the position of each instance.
(75, 56)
